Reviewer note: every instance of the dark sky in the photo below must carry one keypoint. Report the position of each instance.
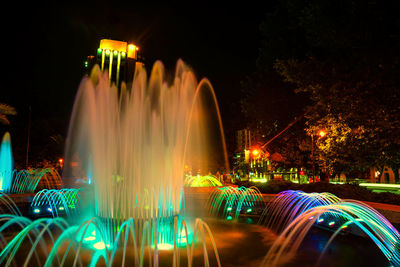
(44, 47)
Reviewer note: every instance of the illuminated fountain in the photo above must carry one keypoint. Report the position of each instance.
(13, 181)
(6, 163)
(229, 200)
(135, 143)
(56, 202)
(202, 181)
(294, 213)
(130, 146)
(125, 164)
(288, 205)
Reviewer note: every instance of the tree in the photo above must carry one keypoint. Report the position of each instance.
(348, 63)
(6, 110)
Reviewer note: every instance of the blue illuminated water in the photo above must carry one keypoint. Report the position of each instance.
(6, 163)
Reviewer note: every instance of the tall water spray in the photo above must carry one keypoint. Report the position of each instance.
(135, 143)
(6, 163)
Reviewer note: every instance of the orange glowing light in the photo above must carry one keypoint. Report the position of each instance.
(322, 133)
(61, 160)
(113, 45)
(255, 152)
(132, 51)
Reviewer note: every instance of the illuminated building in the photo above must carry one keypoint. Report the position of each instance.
(119, 59)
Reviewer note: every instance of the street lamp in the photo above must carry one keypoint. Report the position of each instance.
(321, 133)
(312, 157)
(255, 152)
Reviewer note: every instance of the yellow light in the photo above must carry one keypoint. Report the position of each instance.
(132, 51)
(113, 45)
(322, 133)
(255, 152)
(165, 246)
(99, 245)
(91, 238)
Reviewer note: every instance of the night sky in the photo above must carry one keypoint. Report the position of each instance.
(45, 47)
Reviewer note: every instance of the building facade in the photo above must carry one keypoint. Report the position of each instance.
(119, 59)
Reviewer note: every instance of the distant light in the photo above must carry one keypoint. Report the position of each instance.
(249, 210)
(331, 223)
(107, 52)
(49, 209)
(322, 133)
(61, 208)
(229, 218)
(115, 52)
(123, 54)
(320, 220)
(229, 209)
(255, 152)
(36, 210)
(99, 50)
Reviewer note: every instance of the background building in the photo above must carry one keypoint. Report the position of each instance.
(119, 59)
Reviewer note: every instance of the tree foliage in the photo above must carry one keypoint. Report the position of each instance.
(344, 55)
(6, 110)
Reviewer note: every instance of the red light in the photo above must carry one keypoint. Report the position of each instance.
(302, 172)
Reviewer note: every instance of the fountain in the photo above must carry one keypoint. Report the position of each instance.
(298, 212)
(288, 205)
(13, 181)
(136, 142)
(126, 149)
(6, 163)
(230, 200)
(202, 181)
(56, 202)
(125, 159)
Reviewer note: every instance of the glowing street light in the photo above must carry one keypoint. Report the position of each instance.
(321, 133)
(255, 152)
